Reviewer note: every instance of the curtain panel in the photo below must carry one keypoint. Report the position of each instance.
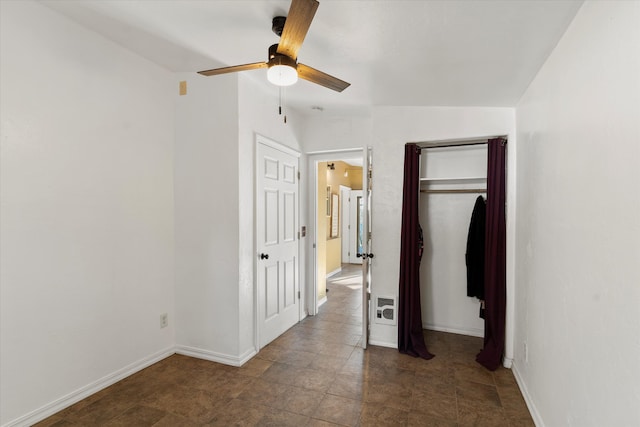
(410, 337)
(495, 270)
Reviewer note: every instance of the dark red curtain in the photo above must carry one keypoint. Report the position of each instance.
(410, 338)
(495, 271)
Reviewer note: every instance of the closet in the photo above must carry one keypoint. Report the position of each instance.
(451, 178)
(440, 296)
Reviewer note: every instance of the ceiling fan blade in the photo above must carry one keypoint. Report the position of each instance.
(233, 69)
(301, 14)
(323, 79)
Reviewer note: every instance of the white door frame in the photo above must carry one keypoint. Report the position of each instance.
(313, 159)
(260, 139)
(345, 223)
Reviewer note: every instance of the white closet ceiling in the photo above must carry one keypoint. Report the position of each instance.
(410, 53)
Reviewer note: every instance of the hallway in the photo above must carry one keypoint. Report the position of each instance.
(315, 374)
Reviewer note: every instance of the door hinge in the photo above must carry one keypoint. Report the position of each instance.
(298, 235)
(298, 294)
(298, 175)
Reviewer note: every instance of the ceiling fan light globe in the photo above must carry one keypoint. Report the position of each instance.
(282, 75)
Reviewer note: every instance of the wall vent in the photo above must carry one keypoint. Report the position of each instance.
(385, 310)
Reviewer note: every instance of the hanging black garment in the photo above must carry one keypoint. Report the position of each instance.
(420, 243)
(475, 250)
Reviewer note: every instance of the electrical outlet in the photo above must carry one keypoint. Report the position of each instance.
(164, 320)
(183, 88)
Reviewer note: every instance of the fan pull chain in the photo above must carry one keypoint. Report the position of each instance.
(280, 89)
(285, 104)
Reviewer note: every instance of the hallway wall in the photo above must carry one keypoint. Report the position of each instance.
(336, 178)
(321, 231)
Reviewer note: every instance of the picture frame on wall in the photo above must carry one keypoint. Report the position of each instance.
(335, 215)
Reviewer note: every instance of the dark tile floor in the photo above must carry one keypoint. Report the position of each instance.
(315, 375)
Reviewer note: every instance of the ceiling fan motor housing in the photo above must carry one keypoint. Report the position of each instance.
(276, 58)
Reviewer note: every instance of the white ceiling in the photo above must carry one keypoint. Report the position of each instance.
(429, 53)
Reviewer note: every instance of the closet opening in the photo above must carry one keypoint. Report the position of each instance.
(452, 177)
(452, 184)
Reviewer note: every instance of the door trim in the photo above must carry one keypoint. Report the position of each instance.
(313, 159)
(343, 190)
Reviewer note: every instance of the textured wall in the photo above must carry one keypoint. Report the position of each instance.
(578, 235)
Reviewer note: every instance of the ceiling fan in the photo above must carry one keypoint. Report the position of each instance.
(283, 66)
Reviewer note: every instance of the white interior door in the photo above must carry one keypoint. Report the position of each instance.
(367, 255)
(277, 241)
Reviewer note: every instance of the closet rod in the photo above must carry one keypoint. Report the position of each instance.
(465, 190)
(451, 144)
(457, 142)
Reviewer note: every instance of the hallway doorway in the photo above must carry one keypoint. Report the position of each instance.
(337, 175)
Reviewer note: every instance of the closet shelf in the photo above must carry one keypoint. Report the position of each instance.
(454, 185)
(465, 180)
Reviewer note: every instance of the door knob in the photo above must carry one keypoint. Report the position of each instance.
(370, 255)
(264, 256)
(358, 255)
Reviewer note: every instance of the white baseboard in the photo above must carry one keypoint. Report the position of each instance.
(86, 391)
(334, 272)
(225, 359)
(537, 419)
(322, 301)
(460, 331)
(507, 363)
(383, 343)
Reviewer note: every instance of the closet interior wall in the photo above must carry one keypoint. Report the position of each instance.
(445, 217)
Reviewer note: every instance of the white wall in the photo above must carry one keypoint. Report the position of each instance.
(216, 124)
(578, 237)
(323, 131)
(392, 128)
(206, 217)
(86, 226)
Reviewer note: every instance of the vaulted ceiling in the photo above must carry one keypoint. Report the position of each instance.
(410, 53)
